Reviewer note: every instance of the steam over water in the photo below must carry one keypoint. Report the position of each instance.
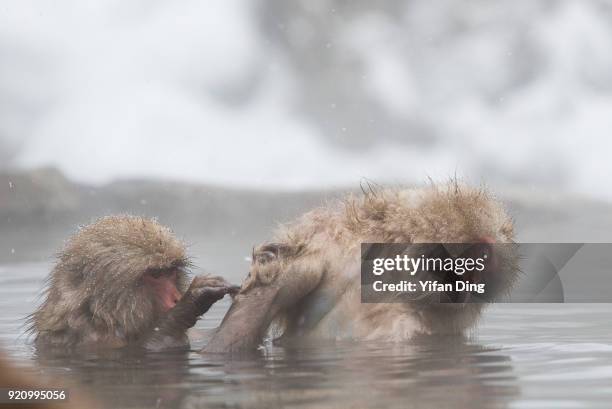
(310, 94)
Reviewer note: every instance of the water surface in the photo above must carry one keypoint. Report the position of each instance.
(527, 356)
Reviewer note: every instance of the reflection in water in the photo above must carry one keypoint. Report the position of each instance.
(430, 373)
(535, 355)
(121, 379)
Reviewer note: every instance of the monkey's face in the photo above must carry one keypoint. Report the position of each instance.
(473, 225)
(477, 221)
(476, 272)
(162, 287)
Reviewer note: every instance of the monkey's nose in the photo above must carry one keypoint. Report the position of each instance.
(175, 297)
(485, 240)
(169, 295)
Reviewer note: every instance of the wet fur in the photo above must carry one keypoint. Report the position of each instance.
(94, 293)
(311, 268)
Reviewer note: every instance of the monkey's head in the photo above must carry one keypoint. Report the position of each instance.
(473, 225)
(457, 214)
(120, 273)
(470, 223)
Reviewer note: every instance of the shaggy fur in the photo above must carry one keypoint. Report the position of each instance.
(94, 293)
(307, 280)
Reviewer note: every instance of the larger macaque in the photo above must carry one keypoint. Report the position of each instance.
(119, 282)
(307, 280)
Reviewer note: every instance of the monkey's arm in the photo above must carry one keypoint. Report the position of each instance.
(246, 322)
(171, 330)
(254, 308)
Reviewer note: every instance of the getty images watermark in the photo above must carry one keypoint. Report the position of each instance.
(485, 272)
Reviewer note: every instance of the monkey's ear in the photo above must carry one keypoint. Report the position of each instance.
(271, 251)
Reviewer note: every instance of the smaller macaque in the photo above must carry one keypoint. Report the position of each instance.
(306, 284)
(121, 282)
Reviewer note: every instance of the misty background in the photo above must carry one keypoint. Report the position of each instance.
(271, 94)
(222, 119)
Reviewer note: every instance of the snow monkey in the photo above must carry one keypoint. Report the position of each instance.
(119, 282)
(305, 284)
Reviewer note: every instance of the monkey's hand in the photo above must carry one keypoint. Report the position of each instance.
(203, 292)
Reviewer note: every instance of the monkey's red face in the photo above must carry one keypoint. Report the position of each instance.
(162, 284)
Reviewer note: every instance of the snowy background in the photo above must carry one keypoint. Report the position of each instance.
(305, 94)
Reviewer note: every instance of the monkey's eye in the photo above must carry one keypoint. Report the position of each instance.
(159, 273)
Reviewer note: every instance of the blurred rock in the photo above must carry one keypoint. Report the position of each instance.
(38, 194)
(39, 209)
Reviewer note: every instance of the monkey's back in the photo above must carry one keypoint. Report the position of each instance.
(334, 233)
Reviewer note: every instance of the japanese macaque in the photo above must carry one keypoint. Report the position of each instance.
(120, 282)
(305, 284)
